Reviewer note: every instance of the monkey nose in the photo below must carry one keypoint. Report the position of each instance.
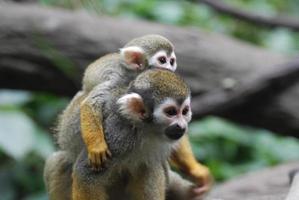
(175, 132)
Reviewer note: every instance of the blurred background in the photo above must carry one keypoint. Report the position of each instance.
(227, 147)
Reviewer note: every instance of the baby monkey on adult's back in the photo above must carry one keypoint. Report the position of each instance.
(142, 125)
(112, 70)
(84, 114)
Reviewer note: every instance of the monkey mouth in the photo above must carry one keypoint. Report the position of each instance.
(174, 132)
(175, 136)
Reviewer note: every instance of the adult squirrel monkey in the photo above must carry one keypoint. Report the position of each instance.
(118, 69)
(143, 123)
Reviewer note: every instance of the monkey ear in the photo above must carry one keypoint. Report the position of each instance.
(134, 57)
(132, 106)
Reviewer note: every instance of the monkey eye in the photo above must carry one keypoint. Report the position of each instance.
(170, 111)
(185, 110)
(172, 60)
(162, 59)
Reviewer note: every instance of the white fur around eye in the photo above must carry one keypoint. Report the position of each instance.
(153, 61)
(159, 114)
(175, 63)
(187, 102)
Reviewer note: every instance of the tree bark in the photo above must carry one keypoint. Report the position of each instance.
(255, 18)
(271, 183)
(47, 49)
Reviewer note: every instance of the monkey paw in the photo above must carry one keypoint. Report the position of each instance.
(202, 177)
(97, 157)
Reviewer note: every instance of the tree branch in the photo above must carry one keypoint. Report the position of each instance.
(261, 87)
(258, 19)
(271, 183)
(48, 49)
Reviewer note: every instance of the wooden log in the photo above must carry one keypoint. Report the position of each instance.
(47, 49)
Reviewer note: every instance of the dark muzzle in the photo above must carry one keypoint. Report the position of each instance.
(174, 132)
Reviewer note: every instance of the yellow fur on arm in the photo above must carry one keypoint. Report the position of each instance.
(93, 136)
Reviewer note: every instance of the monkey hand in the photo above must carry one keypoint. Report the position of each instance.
(97, 156)
(201, 176)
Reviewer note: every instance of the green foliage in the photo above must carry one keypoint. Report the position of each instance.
(22, 177)
(230, 150)
(189, 13)
(25, 143)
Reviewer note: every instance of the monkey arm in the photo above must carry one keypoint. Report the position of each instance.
(92, 129)
(184, 159)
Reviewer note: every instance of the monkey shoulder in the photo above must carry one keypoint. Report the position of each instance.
(120, 135)
(110, 69)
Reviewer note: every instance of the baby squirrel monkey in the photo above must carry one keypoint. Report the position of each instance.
(150, 51)
(142, 123)
(117, 69)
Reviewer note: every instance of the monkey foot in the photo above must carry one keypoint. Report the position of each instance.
(97, 158)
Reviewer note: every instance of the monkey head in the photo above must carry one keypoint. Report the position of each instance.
(149, 51)
(161, 98)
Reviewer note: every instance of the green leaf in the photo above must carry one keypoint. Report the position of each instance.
(19, 135)
(16, 133)
(14, 97)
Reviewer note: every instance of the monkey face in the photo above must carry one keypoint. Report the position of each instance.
(158, 51)
(174, 116)
(162, 60)
(138, 60)
(171, 116)
(160, 99)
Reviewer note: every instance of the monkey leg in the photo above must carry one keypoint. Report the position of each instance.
(92, 128)
(184, 159)
(87, 184)
(148, 184)
(57, 176)
(85, 191)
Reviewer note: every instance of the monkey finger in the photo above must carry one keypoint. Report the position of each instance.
(199, 191)
(98, 161)
(90, 161)
(103, 158)
(109, 154)
(91, 164)
(206, 182)
(94, 161)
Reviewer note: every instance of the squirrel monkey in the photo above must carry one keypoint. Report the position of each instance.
(150, 51)
(142, 123)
